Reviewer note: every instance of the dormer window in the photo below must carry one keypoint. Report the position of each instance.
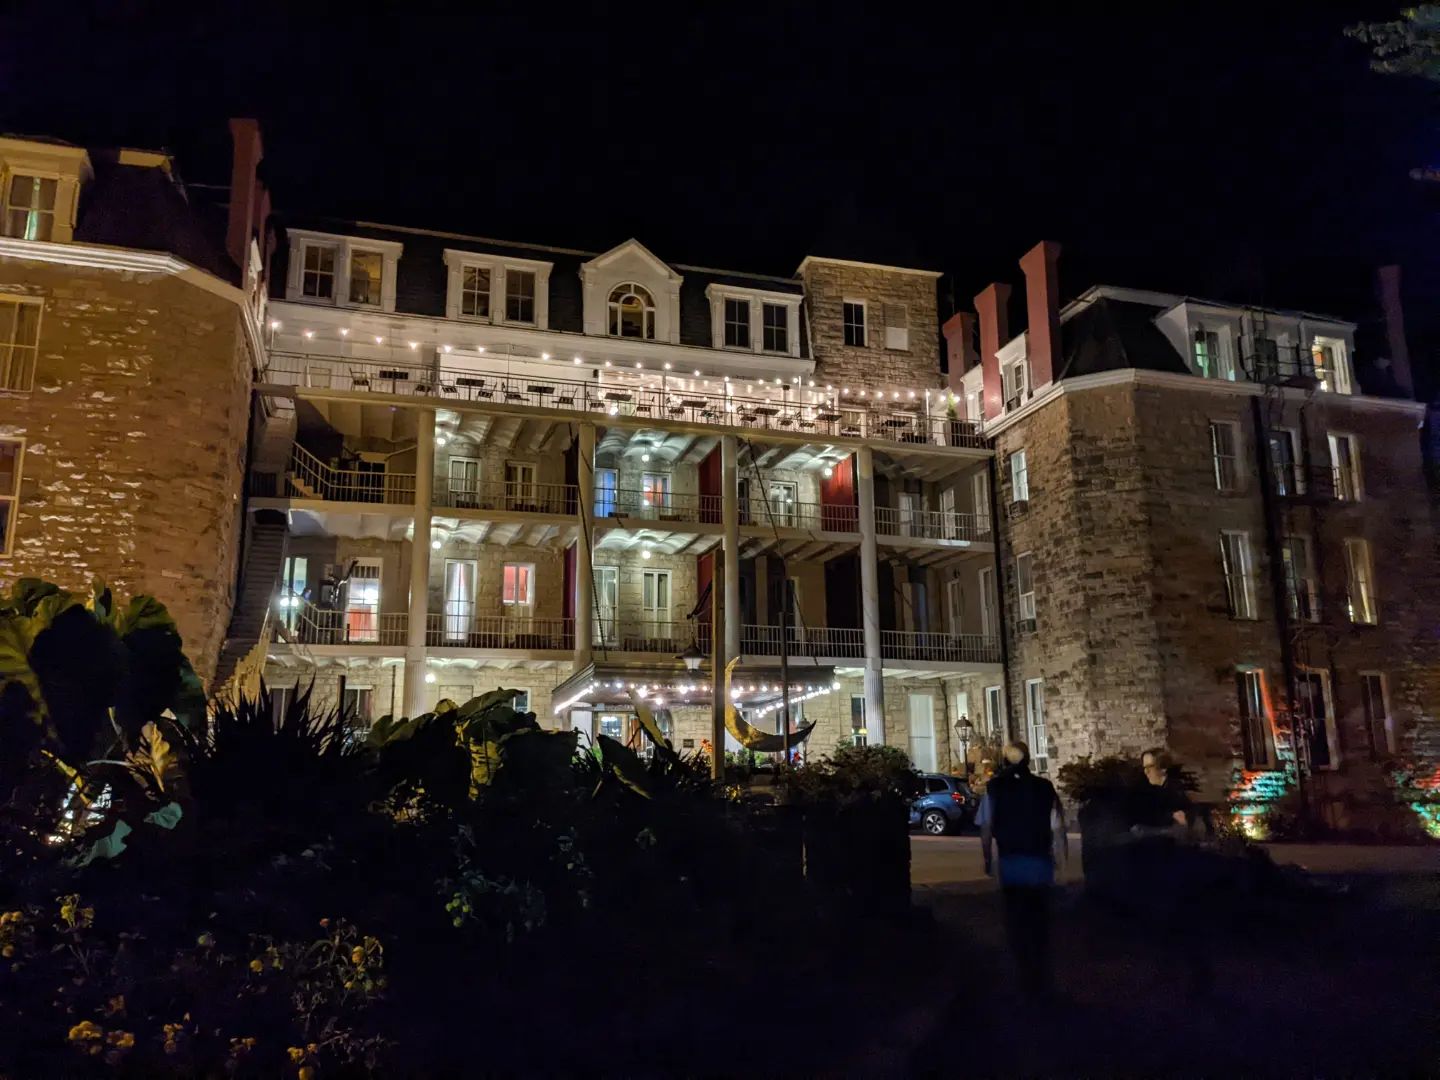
(1012, 378)
(1331, 364)
(318, 280)
(30, 207)
(496, 288)
(737, 322)
(366, 271)
(632, 312)
(520, 296)
(777, 328)
(475, 292)
(1212, 357)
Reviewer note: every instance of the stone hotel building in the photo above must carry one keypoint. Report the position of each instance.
(405, 465)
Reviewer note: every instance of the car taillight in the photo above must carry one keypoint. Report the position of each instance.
(956, 796)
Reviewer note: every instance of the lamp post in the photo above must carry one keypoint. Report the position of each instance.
(966, 731)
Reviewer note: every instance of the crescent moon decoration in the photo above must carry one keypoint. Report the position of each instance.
(751, 737)
(648, 723)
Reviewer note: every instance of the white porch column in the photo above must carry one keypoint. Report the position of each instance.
(730, 517)
(870, 599)
(418, 616)
(584, 571)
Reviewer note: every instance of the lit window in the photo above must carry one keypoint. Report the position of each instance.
(1012, 383)
(1225, 451)
(521, 701)
(1035, 724)
(356, 709)
(1302, 586)
(897, 327)
(1377, 712)
(366, 268)
(782, 503)
(632, 312)
(1345, 466)
(1238, 567)
(1362, 581)
(857, 720)
(19, 343)
(517, 585)
(776, 325)
(854, 318)
(520, 493)
(1211, 358)
(30, 208)
(1019, 477)
(11, 455)
(655, 489)
(519, 296)
(1255, 740)
(475, 291)
(318, 279)
(1332, 371)
(1025, 586)
(605, 483)
(737, 323)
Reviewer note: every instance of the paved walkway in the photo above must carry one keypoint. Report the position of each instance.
(956, 860)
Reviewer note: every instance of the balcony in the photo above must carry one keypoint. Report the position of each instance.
(646, 635)
(833, 643)
(306, 624)
(457, 628)
(803, 642)
(939, 648)
(806, 414)
(311, 478)
(932, 524)
(507, 495)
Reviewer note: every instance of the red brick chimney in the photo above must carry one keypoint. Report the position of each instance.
(1388, 281)
(249, 201)
(959, 331)
(1042, 310)
(991, 306)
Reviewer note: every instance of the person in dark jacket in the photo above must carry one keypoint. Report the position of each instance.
(1022, 817)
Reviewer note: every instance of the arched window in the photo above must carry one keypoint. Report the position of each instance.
(632, 312)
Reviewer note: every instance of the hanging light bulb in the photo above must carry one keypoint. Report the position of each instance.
(434, 545)
(667, 365)
(544, 356)
(697, 374)
(578, 360)
(274, 324)
(430, 677)
(309, 333)
(414, 345)
(344, 331)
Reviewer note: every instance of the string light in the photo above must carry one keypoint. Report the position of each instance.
(274, 324)
(344, 331)
(667, 365)
(414, 345)
(445, 347)
(309, 333)
(578, 360)
(544, 356)
(379, 340)
(697, 375)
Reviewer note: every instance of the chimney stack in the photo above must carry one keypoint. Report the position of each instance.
(991, 306)
(1042, 310)
(249, 202)
(1388, 280)
(960, 357)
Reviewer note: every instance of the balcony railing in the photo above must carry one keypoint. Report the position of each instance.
(931, 524)
(657, 506)
(519, 496)
(312, 625)
(670, 636)
(760, 640)
(311, 478)
(874, 418)
(457, 628)
(1319, 482)
(944, 648)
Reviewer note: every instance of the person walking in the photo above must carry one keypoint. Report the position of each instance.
(1022, 817)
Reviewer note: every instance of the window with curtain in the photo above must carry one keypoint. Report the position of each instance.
(517, 585)
(1361, 581)
(1238, 568)
(460, 575)
(1225, 454)
(30, 207)
(366, 270)
(632, 312)
(475, 292)
(1255, 742)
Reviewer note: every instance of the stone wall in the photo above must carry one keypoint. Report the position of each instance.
(829, 284)
(135, 442)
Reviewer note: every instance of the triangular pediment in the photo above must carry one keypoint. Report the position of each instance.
(633, 249)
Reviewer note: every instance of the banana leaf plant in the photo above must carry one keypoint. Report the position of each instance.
(82, 678)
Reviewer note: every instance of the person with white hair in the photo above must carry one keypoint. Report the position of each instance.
(1021, 815)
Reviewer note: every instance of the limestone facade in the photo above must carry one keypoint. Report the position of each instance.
(894, 299)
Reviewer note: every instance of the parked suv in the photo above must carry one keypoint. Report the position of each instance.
(946, 803)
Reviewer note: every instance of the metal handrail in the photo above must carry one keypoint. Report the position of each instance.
(801, 641)
(458, 627)
(931, 524)
(871, 418)
(672, 506)
(949, 648)
(311, 478)
(519, 496)
(352, 626)
(631, 634)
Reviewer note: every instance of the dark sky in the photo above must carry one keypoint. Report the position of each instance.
(1242, 151)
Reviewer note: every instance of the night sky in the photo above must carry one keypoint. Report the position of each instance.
(1241, 152)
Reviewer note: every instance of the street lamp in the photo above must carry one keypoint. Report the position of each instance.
(966, 731)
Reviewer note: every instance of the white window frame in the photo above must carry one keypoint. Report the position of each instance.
(859, 736)
(1298, 585)
(986, 579)
(1243, 675)
(907, 511)
(652, 612)
(1362, 600)
(949, 520)
(1349, 481)
(523, 490)
(1035, 729)
(7, 207)
(606, 493)
(660, 488)
(1017, 465)
(767, 306)
(1232, 482)
(11, 501)
(897, 327)
(784, 509)
(994, 710)
(1332, 730)
(741, 305)
(528, 600)
(499, 266)
(955, 605)
(1392, 742)
(647, 311)
(1340, 349)
(1295, 477)
(606, 614)
(473, 294)
(754, 301)
(1025, 600)
(343, 246)
(460, 611)
(846, 323)
(465, 492)
(1224, 359)
(363, 634)
(363, 693)
(1243, 575)
(24, 382)
(362, 249)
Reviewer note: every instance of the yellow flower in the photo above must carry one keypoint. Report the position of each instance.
(296, 1055)
(205, 940)
(8, 951)
(85, 1031)
(307, 1072)
(120, 1040)
(170, 1047)
(116, 1005)
(357, 955)
(257, 966)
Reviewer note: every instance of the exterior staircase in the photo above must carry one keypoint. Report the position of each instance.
(265, 551)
